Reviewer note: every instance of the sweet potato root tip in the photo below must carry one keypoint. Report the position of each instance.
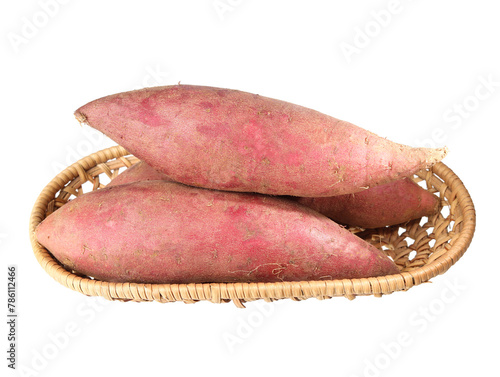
(436, 155)
(80, 117)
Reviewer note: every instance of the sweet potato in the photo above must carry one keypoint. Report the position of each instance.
(166, 232)
(236, 141)
(393, 203)
(138, 172)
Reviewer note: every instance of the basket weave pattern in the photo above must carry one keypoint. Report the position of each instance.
(422, 248)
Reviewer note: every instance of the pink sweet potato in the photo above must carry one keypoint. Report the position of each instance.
(393, 203)
(236, 141)
(166, 232)
(140, 171)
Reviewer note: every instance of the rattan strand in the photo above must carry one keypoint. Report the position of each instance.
(437, 242)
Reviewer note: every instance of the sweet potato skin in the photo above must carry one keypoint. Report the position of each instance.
(165, 232)
(393, 203)
(236, 141)
(140, 171)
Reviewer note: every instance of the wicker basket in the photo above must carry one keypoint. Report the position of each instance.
(421, 248)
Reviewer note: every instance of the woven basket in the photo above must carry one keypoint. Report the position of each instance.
(422, 248)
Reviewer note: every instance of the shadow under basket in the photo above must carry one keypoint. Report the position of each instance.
(422, 248)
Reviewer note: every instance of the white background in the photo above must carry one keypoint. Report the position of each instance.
(402, 69)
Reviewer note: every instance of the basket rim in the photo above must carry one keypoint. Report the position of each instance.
(240, 292)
